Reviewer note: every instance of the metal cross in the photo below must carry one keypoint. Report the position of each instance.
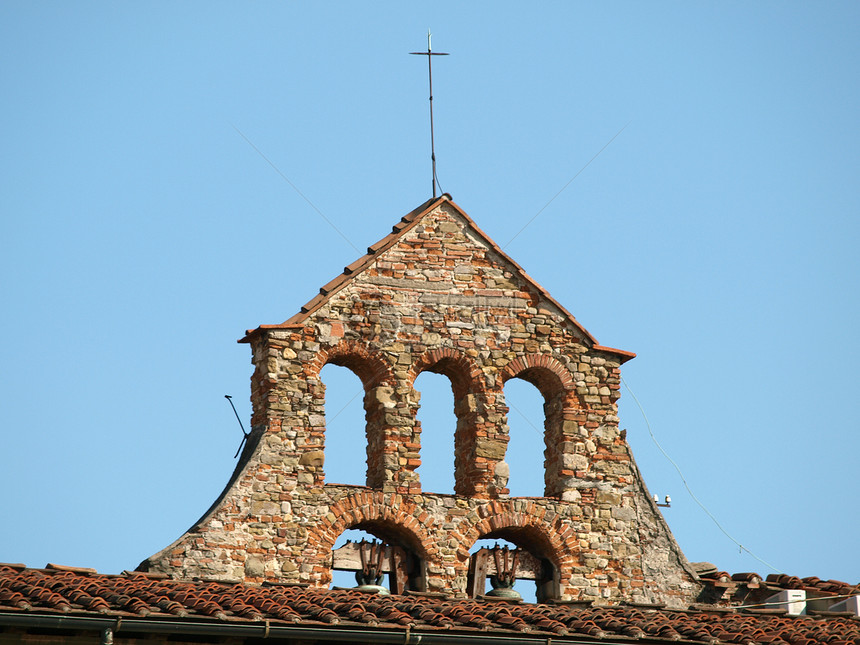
(429, 54)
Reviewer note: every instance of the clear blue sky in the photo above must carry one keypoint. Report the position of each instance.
(716, 237)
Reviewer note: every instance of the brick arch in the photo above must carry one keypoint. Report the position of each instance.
(369, 365)
(464, 373)
(522, 523)
(392, 516)
(546, 373)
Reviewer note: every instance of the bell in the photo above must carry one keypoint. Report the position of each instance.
(377, 589)
(370, 581)
(503, 587)
(505, 592)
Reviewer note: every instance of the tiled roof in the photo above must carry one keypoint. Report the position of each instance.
(406, 223)
(812, 585)
(141, 600)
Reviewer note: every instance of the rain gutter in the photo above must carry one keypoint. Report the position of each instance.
(109, 626)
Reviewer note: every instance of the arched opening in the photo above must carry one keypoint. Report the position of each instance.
(526, 446)
(466, 382)
(555, 383)
(368, 549)
(375, 389)
(345, 435)
(345, 578)
(438, 427)
(515, 555)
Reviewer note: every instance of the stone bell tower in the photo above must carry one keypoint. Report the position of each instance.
(438, 295)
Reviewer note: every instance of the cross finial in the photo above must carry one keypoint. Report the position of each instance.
(429, 54)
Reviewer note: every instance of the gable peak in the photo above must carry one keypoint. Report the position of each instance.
(399, 230)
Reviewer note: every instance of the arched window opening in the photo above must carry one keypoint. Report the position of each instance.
(525, 453)
(438, 425)
(345, 436)
(378, 557)
(498, 565)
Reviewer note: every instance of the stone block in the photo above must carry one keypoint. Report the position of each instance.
(608, 497)
(490, 449)
(385, 396)
(254, 567)
(312, 458)
(625, 513)
(574, 461)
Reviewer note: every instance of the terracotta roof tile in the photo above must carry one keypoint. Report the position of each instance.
(816, 586)
(81, 593)
(786, 581)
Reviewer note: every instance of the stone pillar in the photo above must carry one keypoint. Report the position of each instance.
(553, 410)
(288, 405)
(566, 461)
(480, 444)
(392, 447)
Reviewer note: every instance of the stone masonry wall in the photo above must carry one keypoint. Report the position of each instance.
(437, 295)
